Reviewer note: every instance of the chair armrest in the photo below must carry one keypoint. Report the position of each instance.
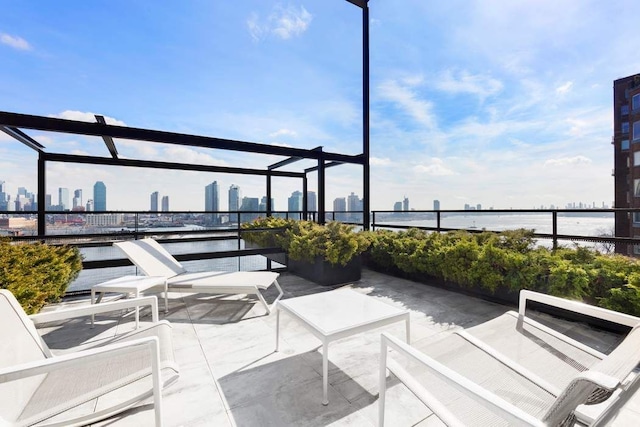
(576, 307)
(44, 366)
(511, 413)
(87, 310)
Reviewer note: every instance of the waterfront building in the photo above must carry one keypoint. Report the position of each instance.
(77, 199)
(234, 198)
(626, 148)
(212, 201)
(295, 202)
(436, 205)
(251, 205)
(47, 201)
(405, 204)
(99, 196)
(107, 220)
(263, 204)
(3, 197)
(89, 206)
(154, 201)
(354, 206)
(312, 201)
(397, 206)
(63, 198)
(165, 203)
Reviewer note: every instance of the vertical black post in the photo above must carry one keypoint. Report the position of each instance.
(438, 221)
(269, 207)
(42, 226)
(373, 220)
(321, 185)
(554, 218)
(305, 214)
(365, 116)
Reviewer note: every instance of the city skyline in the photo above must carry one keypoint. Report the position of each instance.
(507, 105)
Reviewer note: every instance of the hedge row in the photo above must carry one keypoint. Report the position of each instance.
(511, 260)
(36, 273)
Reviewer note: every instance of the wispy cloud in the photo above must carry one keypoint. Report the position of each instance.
(568, 161)
(379, 161)
(85, 116)
(480, 85)
(436, 167)
(403, 94)
(565, 88)
(14, 42)
(283, 132)
(283, 23)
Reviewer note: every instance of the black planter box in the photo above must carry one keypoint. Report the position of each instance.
(325, 273)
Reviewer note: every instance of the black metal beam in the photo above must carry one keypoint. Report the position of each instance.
(366, 173)
(326, 165)
(108, 141)
(284, 163)
(359, 3)
(42, 196)
(71, 158)
(98, 129)
(22, 137)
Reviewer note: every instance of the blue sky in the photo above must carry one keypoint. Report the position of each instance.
(507, 104)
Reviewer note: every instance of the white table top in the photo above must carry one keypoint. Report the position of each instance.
(140, 283)
(335, 311)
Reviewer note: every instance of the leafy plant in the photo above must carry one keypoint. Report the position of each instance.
(37, 273)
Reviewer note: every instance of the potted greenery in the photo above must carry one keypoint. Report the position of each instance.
(326, 254)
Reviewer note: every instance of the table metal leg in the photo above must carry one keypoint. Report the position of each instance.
(408, 328)
(325, 373)
(277, 328)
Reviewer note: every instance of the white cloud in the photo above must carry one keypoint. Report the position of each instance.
(283, 23)
(435, 168)
(565, 88)
(568, 161)
(464, 82)
(15, 42)
(283, 132)
(87, 117)
(378, 161)
(408, 100)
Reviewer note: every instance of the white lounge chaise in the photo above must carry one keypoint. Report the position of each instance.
(513, 370)
(154, 260)
(80, 387)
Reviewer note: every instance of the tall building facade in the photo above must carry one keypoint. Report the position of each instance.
(154, 201)
(99, 196)
(4, 202)
(63, 198)
(339, 208)
(294, 203)
(165, 203)
(212, 201)
(436, 205)
(405, 204)
(312, 201)
(77, 200)
(234, 198)
(626, 148)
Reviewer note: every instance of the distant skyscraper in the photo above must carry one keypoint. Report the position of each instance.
(263, 204)
(479, 207)
(47, 201)
(165, 203)
(405, 204)
(212, 201)
(234, 199)
(397, 206)
(3, 197)
(436, 205)
(339, 207)
(252, 205)
(154, 201)
(312, 201)
(99, 196)
(63, 198)
(77, 199)
(294, 203)
(89, 207)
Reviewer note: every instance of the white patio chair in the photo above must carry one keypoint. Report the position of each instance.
(150, 257)
(513, 370)
(102, 379)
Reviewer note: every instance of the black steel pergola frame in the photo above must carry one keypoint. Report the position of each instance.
(13, 123)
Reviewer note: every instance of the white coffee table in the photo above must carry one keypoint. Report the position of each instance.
(129, 285)
(338, 314)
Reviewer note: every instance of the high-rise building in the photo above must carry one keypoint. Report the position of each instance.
(99, 196)
(339, 208)
(63, 198)
(154, 201)
(436, 205)
(263, 204)
(626, 148)
(294, 203)
(251, 205)
(47, 202)
(165, 203)
(77, 199)
(3, 197)
(312, 201)
(397, 206)
(234, 198)
(405, 204)
(212, 201)
(89, 207)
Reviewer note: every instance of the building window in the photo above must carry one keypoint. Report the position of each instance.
(636, 131)
(624, 110)
(636, 158)
(635, 102)
(636, 218)
(636, 187)
(624, 145)
(625, 127)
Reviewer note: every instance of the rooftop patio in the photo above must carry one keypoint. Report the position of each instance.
(231, 375)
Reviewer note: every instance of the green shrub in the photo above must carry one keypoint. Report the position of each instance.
(625, 298)
(37, 273)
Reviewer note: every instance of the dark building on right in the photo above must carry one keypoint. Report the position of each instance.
(626, 147)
